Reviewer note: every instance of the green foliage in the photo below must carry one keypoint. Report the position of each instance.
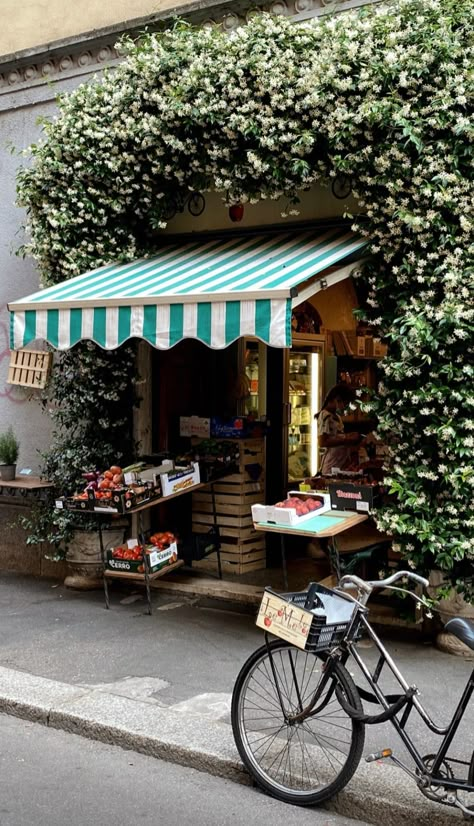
(9, 447)
(90, 399)
(383, 95)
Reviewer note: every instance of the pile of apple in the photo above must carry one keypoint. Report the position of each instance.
(301, 506)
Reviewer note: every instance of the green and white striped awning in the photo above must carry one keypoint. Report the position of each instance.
(213, 290)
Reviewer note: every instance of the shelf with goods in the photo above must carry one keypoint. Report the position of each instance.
(148, 575)
(242, 549)
(305, 372)
(143, 559)
(357, 356)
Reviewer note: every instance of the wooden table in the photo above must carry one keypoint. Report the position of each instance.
(26, 483)
(325, 526)
(29, 487)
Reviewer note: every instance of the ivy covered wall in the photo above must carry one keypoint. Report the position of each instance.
(384, 96)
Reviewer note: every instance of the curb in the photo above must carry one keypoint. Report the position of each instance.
(378, 793)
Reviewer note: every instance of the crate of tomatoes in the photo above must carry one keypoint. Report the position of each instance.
(160, 552)
(107, 491)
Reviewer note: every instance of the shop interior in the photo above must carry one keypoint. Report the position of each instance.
(283, 389)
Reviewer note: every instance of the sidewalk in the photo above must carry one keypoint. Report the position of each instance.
(161, 685)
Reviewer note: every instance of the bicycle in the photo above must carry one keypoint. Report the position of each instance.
(297, 714)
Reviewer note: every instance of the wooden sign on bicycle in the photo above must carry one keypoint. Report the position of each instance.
(284, 620)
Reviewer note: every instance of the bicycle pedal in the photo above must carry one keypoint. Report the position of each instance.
(378, 755)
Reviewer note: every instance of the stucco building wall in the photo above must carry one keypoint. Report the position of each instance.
(43, 21)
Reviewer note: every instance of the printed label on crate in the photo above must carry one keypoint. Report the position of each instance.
(352, 497)
(284, 620)
(180, 479)
(119, 564)
(194, 426)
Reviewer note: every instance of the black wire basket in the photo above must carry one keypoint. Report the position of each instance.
(322, 634)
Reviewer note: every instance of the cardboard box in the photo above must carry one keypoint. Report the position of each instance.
(379, 349)
(360, 345)
(152, 474)
(124, 499)
(179, 479)
(194, 426)
(235, 428)
(69, 503)
(350, 496)
(289, 516)
(156, 559)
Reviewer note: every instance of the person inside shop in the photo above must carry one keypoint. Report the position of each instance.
(338, 446)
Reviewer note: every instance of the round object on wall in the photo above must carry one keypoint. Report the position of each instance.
(196, 204)
(341, 186)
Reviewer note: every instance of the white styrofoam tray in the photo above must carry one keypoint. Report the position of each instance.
(289, 516)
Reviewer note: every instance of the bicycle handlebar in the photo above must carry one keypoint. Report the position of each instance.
(349, 580)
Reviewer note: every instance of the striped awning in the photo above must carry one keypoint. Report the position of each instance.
(213, 290)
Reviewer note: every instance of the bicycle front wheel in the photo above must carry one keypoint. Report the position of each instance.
(299, 756)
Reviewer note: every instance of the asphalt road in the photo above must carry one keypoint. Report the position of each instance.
(51, 778)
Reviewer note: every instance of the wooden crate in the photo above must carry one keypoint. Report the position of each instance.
(242, 548)
(29, 368)
(236, 545)
(224, 503)
(253, 561)
(227, 531)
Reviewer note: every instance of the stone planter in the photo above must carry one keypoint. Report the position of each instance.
(84, 560)
(7, 473)
(455, 606)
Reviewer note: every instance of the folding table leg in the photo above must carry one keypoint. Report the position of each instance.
(283, 561)
(141, 536)
(104, 568)
(334, 557)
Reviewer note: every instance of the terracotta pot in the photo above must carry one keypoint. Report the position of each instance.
(84, 560)
(454, 606)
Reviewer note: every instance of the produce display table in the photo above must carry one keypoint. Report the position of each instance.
(147, 576)
(325, 526)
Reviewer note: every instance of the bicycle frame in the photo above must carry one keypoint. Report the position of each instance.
(435, 778)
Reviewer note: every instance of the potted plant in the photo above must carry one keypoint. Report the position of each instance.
(9, 449)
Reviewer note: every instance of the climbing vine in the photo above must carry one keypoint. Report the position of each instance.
(383, 95)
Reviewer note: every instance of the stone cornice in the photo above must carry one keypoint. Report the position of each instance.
(91, 52)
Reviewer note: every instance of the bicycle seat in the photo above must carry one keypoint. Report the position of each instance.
(463, 629)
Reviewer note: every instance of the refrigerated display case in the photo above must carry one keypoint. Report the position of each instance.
(302, 392)
(305, 386)
(252, 370)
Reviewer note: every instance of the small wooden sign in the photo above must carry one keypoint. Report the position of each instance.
(29, 368)
(285, 620)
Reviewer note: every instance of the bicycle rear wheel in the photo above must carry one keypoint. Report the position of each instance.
(304, 761)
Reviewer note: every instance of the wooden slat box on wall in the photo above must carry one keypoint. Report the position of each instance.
(242, 548)
(29, 368)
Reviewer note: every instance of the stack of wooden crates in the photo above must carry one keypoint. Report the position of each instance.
(242, 548)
